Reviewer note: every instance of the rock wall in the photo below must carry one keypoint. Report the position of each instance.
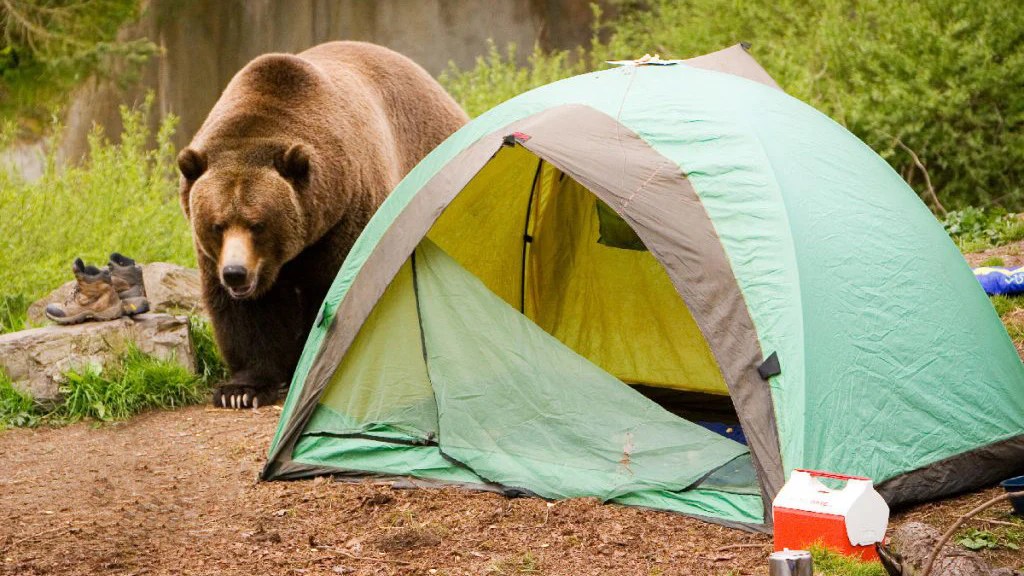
(204, 42)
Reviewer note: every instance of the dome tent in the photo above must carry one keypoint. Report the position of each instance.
(569, 294)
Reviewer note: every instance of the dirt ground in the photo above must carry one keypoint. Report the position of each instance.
(1011, 254)
(176, 493)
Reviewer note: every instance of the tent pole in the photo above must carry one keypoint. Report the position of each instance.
(527, 239)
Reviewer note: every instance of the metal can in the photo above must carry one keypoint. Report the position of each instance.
(790, 563)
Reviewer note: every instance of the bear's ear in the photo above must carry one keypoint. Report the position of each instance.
(293, 163)
(191, 163)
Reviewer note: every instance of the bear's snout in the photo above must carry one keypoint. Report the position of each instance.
(239, 266)
(239, 281)
(235, 276)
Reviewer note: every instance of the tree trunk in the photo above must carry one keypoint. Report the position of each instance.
(911, 545)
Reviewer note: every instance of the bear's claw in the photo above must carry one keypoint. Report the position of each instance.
(239, 397)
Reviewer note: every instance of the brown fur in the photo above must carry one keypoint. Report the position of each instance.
(291, 163)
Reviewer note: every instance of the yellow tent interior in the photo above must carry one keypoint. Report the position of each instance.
(536, 238)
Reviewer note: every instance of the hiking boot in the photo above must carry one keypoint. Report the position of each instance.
(93, 298)
(127, 279)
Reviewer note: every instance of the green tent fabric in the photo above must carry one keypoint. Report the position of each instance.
(549, 421)
(505, 315)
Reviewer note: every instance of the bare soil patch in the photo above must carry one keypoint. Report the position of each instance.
(176, 493)
(1011, 254)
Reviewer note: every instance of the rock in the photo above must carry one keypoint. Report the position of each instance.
(170, 288)
(37, 359)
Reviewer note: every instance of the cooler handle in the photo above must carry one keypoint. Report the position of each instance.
(832, 475)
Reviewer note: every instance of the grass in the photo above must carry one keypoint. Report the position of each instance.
(209, 365)
(829, 563)
(1006, 304)
(122, 198)
(1016, 331)
(993, 261)
(13, 313)
(135, 383)
(16, 408)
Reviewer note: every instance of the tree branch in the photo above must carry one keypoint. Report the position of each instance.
(956, 526)
(924, 171)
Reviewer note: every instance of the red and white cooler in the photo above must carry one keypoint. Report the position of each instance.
(849, 520)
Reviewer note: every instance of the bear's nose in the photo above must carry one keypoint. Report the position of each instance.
(234, 275)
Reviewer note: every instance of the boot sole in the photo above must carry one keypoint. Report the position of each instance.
(112, 313)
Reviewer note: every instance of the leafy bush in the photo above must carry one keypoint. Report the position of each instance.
(937, 79)
(974, 229)
(496, 77)
(123, 198)
(941, 77)
(50, 46)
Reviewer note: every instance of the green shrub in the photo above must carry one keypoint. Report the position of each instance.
(123, 198)
(137, 382)
(942, 77)
(496, 77)
(51, 46)
(16, 408)
(975, 539)
(939, 79)
(975, 229)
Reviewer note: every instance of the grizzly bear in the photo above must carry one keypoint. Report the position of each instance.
(291, 163)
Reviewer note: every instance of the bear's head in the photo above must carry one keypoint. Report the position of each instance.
(246, 210)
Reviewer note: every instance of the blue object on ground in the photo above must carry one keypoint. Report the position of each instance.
(1015, 485)
(1000, 280)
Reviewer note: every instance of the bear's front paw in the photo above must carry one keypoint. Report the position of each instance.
(237, 396)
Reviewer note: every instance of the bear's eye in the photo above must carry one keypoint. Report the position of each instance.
(217, 228)
(257, 227)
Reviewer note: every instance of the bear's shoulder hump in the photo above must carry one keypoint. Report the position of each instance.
(281, 73)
